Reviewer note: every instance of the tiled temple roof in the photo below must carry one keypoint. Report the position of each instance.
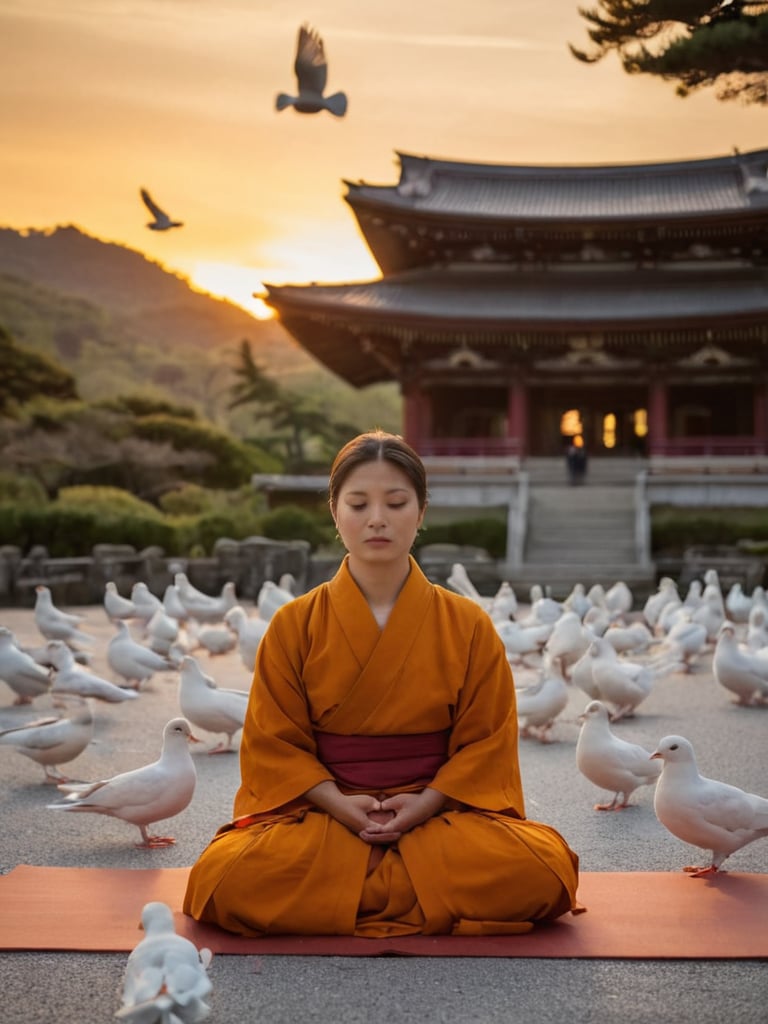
(685, 188)
(472, 294)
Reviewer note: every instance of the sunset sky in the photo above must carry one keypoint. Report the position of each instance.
(100, 97)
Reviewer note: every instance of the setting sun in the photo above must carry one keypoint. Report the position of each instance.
(233, 282)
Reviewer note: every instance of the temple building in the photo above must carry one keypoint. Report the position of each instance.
(520, 306)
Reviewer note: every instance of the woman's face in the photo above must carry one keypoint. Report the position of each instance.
(377, 513)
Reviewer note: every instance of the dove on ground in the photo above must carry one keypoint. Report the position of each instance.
(712, 815)
(545, 610)
(611, 762)
(70, 678)
(538, 706)
(161, 221)
(249, 630)
(115, 605)
(172, 604)
(20, 671)
(52, 741)
(597, 620)
(693, 595)
(209, 707)
(685, 641)
(757, 628)
(131, 660)
(622, 684)
(162, 632)
(144, 795)
(459, 580)
(205, 607)
(503, 603)
(521, 640)
(742, 672)
(311, 69)
(145, 602)
(577, 601)
(55, 624)
(632, 639)
(215, 641)
(665, 592)
(619, 599)
(166, 976)
(738, 604)
(270, 598)
(710, 612)
(568, 640)
(581, 673)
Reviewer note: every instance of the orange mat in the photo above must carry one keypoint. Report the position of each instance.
(645, 915)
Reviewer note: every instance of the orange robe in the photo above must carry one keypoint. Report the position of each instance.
(287, 867)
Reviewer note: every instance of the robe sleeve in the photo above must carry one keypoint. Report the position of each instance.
(483, 769)
(278, 761)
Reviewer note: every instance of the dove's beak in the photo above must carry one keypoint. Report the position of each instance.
(656, 754)
(194, 739)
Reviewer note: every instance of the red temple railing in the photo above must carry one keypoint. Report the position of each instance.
(714, 446)
(468, 446)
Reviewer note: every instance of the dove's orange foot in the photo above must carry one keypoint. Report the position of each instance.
(156, 842)
(696, 872)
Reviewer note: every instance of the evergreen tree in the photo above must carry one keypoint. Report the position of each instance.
(696, 43)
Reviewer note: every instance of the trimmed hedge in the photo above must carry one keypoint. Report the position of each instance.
(673, 529)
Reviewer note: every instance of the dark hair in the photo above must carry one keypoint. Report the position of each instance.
(370, 447)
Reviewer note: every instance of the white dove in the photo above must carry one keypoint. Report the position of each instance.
(172, 604)
(710, 612)
(132, 660)
(249, 632)
(270, 598)
(161, 220)
(685, 640)
(568, 639)
(581, 673)
(666, 592)
(712, 815)
(757, 628)
(738, 604)
(165, 978)
(214, 640)
(610, 762)
(144, 601)
(462, 584)
(311, 69)
(577, 601)
(544, 609)
(740, 671)
(208, 706)
(206, 608)
(69, 678)
(20, 671)
(632, 639)
(622, 684)
(521, 640)
(53, 741)
(619, 598)
(116, 606)
(55, 624)
(162, 632)
(503, 603)
(538, 706)
(145, 795)
(693, 595)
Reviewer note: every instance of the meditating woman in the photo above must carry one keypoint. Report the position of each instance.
(380, 789)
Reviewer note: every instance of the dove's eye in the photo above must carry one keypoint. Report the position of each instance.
(673, 747)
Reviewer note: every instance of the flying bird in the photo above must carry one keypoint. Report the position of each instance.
(311, 68)
(165, 976)
(611, 762)
(162, 221)
(145, 795)
(712, 815)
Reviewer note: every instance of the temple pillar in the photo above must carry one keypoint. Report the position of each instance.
(517, 416)
(415, 416)
(657, 418)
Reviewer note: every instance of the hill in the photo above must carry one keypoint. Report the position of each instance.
(121, 323)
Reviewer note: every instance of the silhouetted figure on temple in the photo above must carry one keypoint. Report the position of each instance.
(576, 460)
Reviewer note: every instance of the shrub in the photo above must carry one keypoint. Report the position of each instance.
(108, 502)
(288, 522)
(673, 529)
(16, 489)
(489, 534)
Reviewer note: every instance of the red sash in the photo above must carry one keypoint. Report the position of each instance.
(383, 762)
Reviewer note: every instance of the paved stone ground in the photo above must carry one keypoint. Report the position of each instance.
(42, 988)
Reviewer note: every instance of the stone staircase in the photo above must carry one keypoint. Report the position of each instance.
(584, 533)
